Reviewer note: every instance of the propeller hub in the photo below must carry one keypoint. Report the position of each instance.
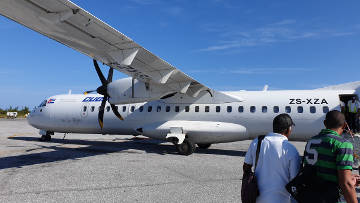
(102, 90)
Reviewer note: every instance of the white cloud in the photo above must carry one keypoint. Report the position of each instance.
(283, 31)
(340, 34)
(285, 22)
(174, 10)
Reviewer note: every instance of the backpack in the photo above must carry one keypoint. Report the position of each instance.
(307, 187)
(249, 187)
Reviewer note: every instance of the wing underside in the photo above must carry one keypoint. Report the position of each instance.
(74, 27)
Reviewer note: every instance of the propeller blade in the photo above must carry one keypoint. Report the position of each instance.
(88, 92)
(116, 112)
(101, 113)
(110, 75)
(98, 71)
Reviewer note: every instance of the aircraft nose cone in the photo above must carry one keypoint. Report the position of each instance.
(33, 119)
(30, 119)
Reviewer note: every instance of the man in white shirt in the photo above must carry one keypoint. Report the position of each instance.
(353, 112)
(278, 162)
(342, 107)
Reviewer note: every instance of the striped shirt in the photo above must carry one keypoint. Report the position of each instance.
(329, 152)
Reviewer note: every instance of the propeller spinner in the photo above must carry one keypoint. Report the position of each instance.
(103, 91)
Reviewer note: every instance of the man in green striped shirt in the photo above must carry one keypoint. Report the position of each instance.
(332, 156)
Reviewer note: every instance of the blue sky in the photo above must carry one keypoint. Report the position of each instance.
(225, 44)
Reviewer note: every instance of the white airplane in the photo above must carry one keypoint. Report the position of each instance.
(158, 100)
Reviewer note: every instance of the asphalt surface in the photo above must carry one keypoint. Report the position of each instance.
(103, 168)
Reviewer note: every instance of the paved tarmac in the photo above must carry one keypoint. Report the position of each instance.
(103, 168)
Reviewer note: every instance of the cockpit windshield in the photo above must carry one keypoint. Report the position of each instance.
(43, 103)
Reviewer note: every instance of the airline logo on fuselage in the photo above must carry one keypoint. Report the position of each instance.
(93, 99)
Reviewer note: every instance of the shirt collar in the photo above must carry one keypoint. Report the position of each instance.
(277, 135)
(328, 131)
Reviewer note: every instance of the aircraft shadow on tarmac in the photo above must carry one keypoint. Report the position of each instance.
(92, 148)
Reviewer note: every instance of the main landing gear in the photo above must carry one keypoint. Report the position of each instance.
(186, 147)
(45, 135)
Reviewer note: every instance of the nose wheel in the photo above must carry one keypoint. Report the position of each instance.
(186, 148)
(46, 137)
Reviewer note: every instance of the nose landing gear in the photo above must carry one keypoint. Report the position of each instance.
(45, 135)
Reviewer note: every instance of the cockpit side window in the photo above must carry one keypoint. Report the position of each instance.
(43, 103)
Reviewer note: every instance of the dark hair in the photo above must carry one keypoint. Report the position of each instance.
(282, 122)
(334, 119)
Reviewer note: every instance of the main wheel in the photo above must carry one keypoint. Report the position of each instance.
(186, 148)
(203, 146)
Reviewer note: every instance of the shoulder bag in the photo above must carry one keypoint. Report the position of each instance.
(249, 187)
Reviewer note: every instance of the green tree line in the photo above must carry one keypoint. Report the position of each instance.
(21, 111)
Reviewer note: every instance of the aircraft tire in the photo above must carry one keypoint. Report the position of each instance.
(186, 148)
(203, 146)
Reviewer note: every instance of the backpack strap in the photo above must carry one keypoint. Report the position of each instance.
(260, 139)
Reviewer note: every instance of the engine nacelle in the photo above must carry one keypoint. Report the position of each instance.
(125, 91)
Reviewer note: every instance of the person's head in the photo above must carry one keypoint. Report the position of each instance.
(282, 124)
(335, 120)
(353, 99)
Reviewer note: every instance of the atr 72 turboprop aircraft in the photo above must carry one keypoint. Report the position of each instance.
(157, 100)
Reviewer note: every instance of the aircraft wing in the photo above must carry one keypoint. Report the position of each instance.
(74, 27)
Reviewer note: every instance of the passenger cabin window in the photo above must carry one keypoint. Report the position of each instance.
(167, 109)
(92, 108)
(229, 109)
(84, 108)
(177, 108)
(325, 109)
(217, 109)
(264, 109)
(187, 108)
(108, 108)
(158, 108)
(300, 109)
(241, 109)
(207, 108)
(124, 108)
(252, 109)
(149, 108)
(132, 108)
(288, 109)
(312, 109)
(141, 109)
(196, 108)
(276, 109)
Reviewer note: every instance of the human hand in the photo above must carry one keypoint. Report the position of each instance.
(356, 180)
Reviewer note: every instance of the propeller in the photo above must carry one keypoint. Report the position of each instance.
(103, 91)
